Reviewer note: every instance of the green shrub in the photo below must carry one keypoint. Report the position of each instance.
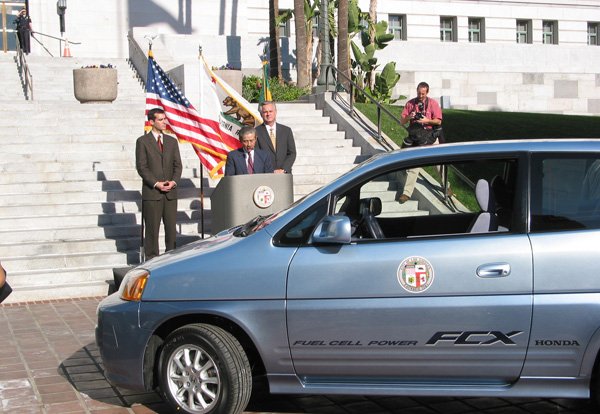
(281, 90)
(251, 88)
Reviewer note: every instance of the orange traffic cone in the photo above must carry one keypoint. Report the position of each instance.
(67, 51)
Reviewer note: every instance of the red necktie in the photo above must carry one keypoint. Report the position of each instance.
(250, 164)
(160, 145)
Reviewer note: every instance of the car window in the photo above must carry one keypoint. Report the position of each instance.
(300, 229)
(565, 193)
(444, 200)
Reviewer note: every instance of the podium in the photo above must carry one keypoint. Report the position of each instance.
(239, 198)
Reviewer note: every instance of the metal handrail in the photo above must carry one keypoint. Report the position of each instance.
(380, 107)
(60, 42)
(24, 71)
(144, 57)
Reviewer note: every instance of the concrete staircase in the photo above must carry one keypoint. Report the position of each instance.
(70, 195)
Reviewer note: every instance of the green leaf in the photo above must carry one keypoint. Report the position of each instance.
(389, 74)
(361, 58)
(353, 18)
(284, 17)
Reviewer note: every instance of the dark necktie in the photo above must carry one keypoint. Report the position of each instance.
(250, 164)
(160, 145)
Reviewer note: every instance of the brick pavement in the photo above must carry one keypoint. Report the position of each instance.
(49, 363)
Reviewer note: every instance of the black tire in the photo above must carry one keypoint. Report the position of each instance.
(204, 370)
(595, 385)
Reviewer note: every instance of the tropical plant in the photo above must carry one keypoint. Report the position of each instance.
(374, 37)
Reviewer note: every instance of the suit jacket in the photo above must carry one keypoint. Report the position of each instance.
(154, 165)
(286, 146)
(236, 162)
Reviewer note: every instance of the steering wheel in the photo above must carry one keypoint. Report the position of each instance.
(372, 224)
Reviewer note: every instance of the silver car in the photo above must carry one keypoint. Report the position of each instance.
(484, 283)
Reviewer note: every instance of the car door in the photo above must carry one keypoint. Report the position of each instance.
(565, 238)
(427, 308)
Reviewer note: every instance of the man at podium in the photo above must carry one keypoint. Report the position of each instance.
(247, 159)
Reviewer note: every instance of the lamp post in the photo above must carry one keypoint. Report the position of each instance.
(61, 7)
(324, 84)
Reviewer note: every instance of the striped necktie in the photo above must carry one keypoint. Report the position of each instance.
(273, 140)
(250, 164)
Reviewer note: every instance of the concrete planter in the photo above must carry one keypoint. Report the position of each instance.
(95, 85)
(232, 77)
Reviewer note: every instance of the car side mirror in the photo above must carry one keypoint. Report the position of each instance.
(372, 203)
(333, 230)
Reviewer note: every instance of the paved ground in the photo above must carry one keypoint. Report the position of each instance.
(49, 364)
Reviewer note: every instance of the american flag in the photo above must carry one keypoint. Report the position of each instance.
(204, 133)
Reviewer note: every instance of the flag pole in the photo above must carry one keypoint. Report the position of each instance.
(199, 160)
(142, 239)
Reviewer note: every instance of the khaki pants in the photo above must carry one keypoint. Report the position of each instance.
(413, 173)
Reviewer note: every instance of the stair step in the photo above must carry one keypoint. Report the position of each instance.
(28, 249)
(192, 227)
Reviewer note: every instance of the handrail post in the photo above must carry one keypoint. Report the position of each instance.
(378, 122)
(351, 100)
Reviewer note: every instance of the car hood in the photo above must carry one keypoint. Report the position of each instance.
(222, 267)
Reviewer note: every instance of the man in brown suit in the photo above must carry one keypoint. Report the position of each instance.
(158, 162)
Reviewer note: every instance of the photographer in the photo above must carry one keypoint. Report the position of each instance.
(425, 116)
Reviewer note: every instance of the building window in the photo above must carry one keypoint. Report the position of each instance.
(550, 32)
(284, 27)
(476, 30)
(448, 29)
(593, 34)
(523, 31)
(397, 26)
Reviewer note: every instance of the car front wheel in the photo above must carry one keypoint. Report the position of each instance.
(204, 370)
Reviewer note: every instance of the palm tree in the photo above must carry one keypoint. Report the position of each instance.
(274, 49)
(342, 42)
(373, 16)
(302, 60)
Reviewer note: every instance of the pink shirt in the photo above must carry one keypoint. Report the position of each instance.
(431, 109)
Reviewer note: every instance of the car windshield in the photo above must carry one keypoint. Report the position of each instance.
(260, 222)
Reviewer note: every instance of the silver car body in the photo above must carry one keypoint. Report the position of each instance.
(513, 313)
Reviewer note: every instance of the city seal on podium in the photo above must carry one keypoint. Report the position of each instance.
(264, 196)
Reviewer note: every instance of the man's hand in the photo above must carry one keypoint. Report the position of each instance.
(279, 171)
(165, 186)
(423, 121)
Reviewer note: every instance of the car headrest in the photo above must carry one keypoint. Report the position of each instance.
(485, 197)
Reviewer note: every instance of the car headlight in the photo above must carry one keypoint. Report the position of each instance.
(135, 282)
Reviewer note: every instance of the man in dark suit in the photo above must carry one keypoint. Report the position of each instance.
(247, 159)
(276, 139)
(158, 162)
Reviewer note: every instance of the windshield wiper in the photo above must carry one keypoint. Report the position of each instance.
(248, 228)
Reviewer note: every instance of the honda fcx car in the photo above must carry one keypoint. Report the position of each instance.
(486, 282)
